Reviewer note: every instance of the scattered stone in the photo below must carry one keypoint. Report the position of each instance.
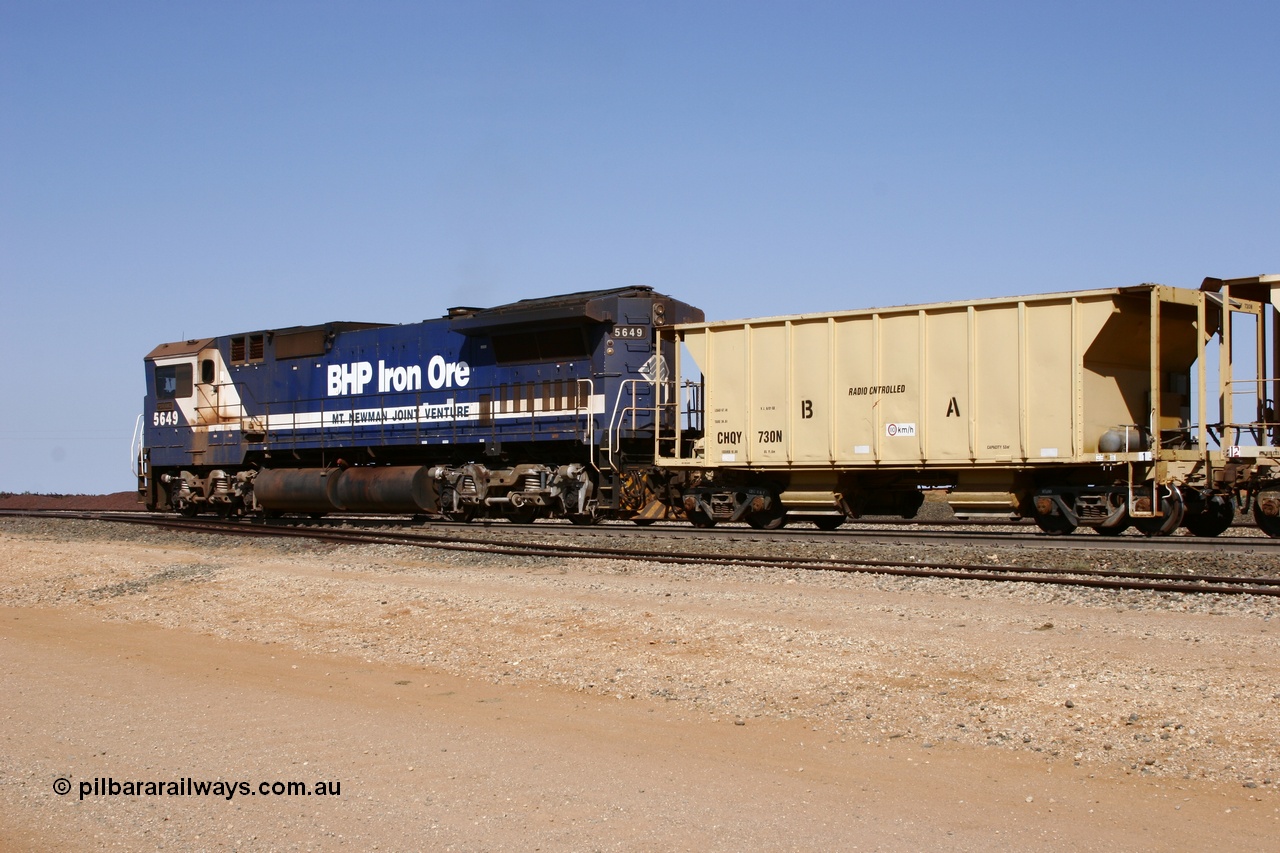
(592, 625)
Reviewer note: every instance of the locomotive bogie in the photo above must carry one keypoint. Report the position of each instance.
(192, 492)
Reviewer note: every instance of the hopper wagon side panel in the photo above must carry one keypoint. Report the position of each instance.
(725, 357)
(988, 384)
(768, 355)
(1050, 383)
(856, 421)
(997, 390)
(946, 381)
(809, 429)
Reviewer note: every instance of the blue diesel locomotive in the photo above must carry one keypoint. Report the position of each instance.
(540, 408)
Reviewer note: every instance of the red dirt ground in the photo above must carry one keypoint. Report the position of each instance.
(115, 502)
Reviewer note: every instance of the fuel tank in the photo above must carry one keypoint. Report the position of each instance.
(398, 489)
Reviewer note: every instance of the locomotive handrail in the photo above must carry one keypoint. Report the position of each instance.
(589, 433)
(137, 441)
(619, 414)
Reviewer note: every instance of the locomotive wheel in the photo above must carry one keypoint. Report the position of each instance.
(1174, 511)
(525, 516)
(643, 522)
(1213, 520)
(583, 518)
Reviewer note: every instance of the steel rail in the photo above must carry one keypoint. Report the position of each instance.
(1080, 577)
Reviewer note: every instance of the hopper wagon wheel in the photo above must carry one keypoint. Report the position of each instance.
(1213, 520)
(1265, 514)
(698, 518)
(1173, 510)
(1054, 525)
(1117, 520)
(773, 518)
(828, 522)
(1049, 519)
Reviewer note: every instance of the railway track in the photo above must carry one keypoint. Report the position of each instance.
(456, 538)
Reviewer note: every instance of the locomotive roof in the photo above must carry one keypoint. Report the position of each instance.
(195, 345)
(585, 306)
(566, 309)
(188, 347)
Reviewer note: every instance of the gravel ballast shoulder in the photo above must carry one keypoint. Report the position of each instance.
(1158, 684)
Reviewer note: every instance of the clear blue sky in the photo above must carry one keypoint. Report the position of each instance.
(174, 169)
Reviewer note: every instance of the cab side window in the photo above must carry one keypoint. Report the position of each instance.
(173, 381)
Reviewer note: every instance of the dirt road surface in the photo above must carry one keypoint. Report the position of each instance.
(488, 704)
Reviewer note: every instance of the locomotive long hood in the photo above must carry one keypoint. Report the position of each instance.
(592, 306)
